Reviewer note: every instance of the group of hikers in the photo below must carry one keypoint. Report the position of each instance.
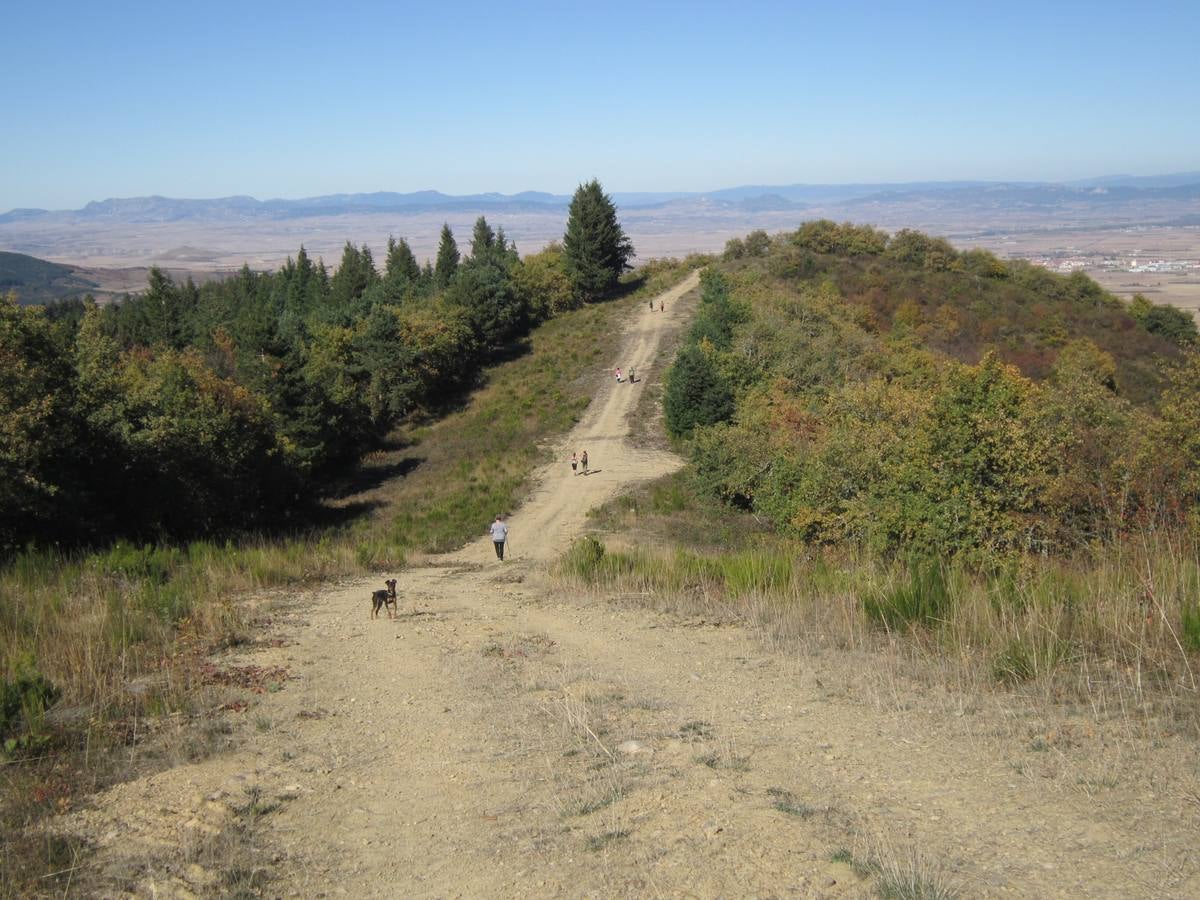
(579, 465)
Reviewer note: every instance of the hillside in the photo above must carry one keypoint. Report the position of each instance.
(632, 750)
(850, 386)
(37, 281)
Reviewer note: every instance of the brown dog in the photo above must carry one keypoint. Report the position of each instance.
(384, 599)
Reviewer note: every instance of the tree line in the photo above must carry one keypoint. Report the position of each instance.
(188, 410)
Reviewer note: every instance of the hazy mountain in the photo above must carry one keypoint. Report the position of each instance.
(1177, 180)
(1104, 190)
(1029, 196)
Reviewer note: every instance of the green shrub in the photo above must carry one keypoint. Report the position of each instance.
(1030, 656)
(584, 558)
(756, 572)
(923, 597)
(1190, 631)
(23, 701)
(152, 564)
(697, 392)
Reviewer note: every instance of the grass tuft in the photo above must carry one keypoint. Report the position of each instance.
(600, 841)
(786, 803)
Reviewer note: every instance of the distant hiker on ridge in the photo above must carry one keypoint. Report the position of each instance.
(583, 462)
(574, 463)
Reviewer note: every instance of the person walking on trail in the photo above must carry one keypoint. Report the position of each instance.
(662, 305)
(632, 374)
(583, 462)
(618, 374)
(651, 306)
(500, 536)
(574, 463)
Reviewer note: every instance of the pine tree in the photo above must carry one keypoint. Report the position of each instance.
(696, 392)
(401, 263)
(596, 249)
(483, 239)
(402, 274)
(355, 274)
(505, 247)
(447, 258)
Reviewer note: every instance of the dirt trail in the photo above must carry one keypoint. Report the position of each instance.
(502, 738)
(557, 509)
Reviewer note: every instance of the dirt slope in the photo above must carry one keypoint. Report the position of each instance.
(503, 738)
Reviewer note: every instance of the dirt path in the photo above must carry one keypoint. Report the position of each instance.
(557, 510)
(504, 738)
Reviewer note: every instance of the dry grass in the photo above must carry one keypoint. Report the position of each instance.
(1109, 629)
(898, 873)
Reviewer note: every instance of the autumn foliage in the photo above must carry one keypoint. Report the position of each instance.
(897, 393)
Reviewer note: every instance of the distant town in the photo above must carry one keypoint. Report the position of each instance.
(1135, 250)
(1067, 261)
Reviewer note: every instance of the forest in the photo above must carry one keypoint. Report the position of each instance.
(191, 411)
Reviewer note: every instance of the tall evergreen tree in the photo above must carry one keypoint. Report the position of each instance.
(596, 249)
(401, 274)
(483, 239)
(447, 258)
(401, 263)
(355, 274)
(505, 247)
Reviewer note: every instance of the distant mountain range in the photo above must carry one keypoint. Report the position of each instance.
(1094, 192)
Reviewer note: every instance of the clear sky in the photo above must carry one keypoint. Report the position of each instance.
(297, 99)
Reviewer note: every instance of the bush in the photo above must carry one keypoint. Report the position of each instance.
(23, 701)
(1190, 636)
(1031, 656)
(756, 573)
(584, 558)
(696, 393)
(923, 597)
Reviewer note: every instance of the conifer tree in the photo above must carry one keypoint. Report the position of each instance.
(596, 250)
(447, 258)
(402, 274)
(505, 247)
(401, 263)
(355, 274)
(483, 238)
(696, 392)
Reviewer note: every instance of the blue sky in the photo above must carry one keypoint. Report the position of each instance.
(298, 99)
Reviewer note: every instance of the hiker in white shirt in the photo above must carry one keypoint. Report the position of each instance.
(499, 536)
